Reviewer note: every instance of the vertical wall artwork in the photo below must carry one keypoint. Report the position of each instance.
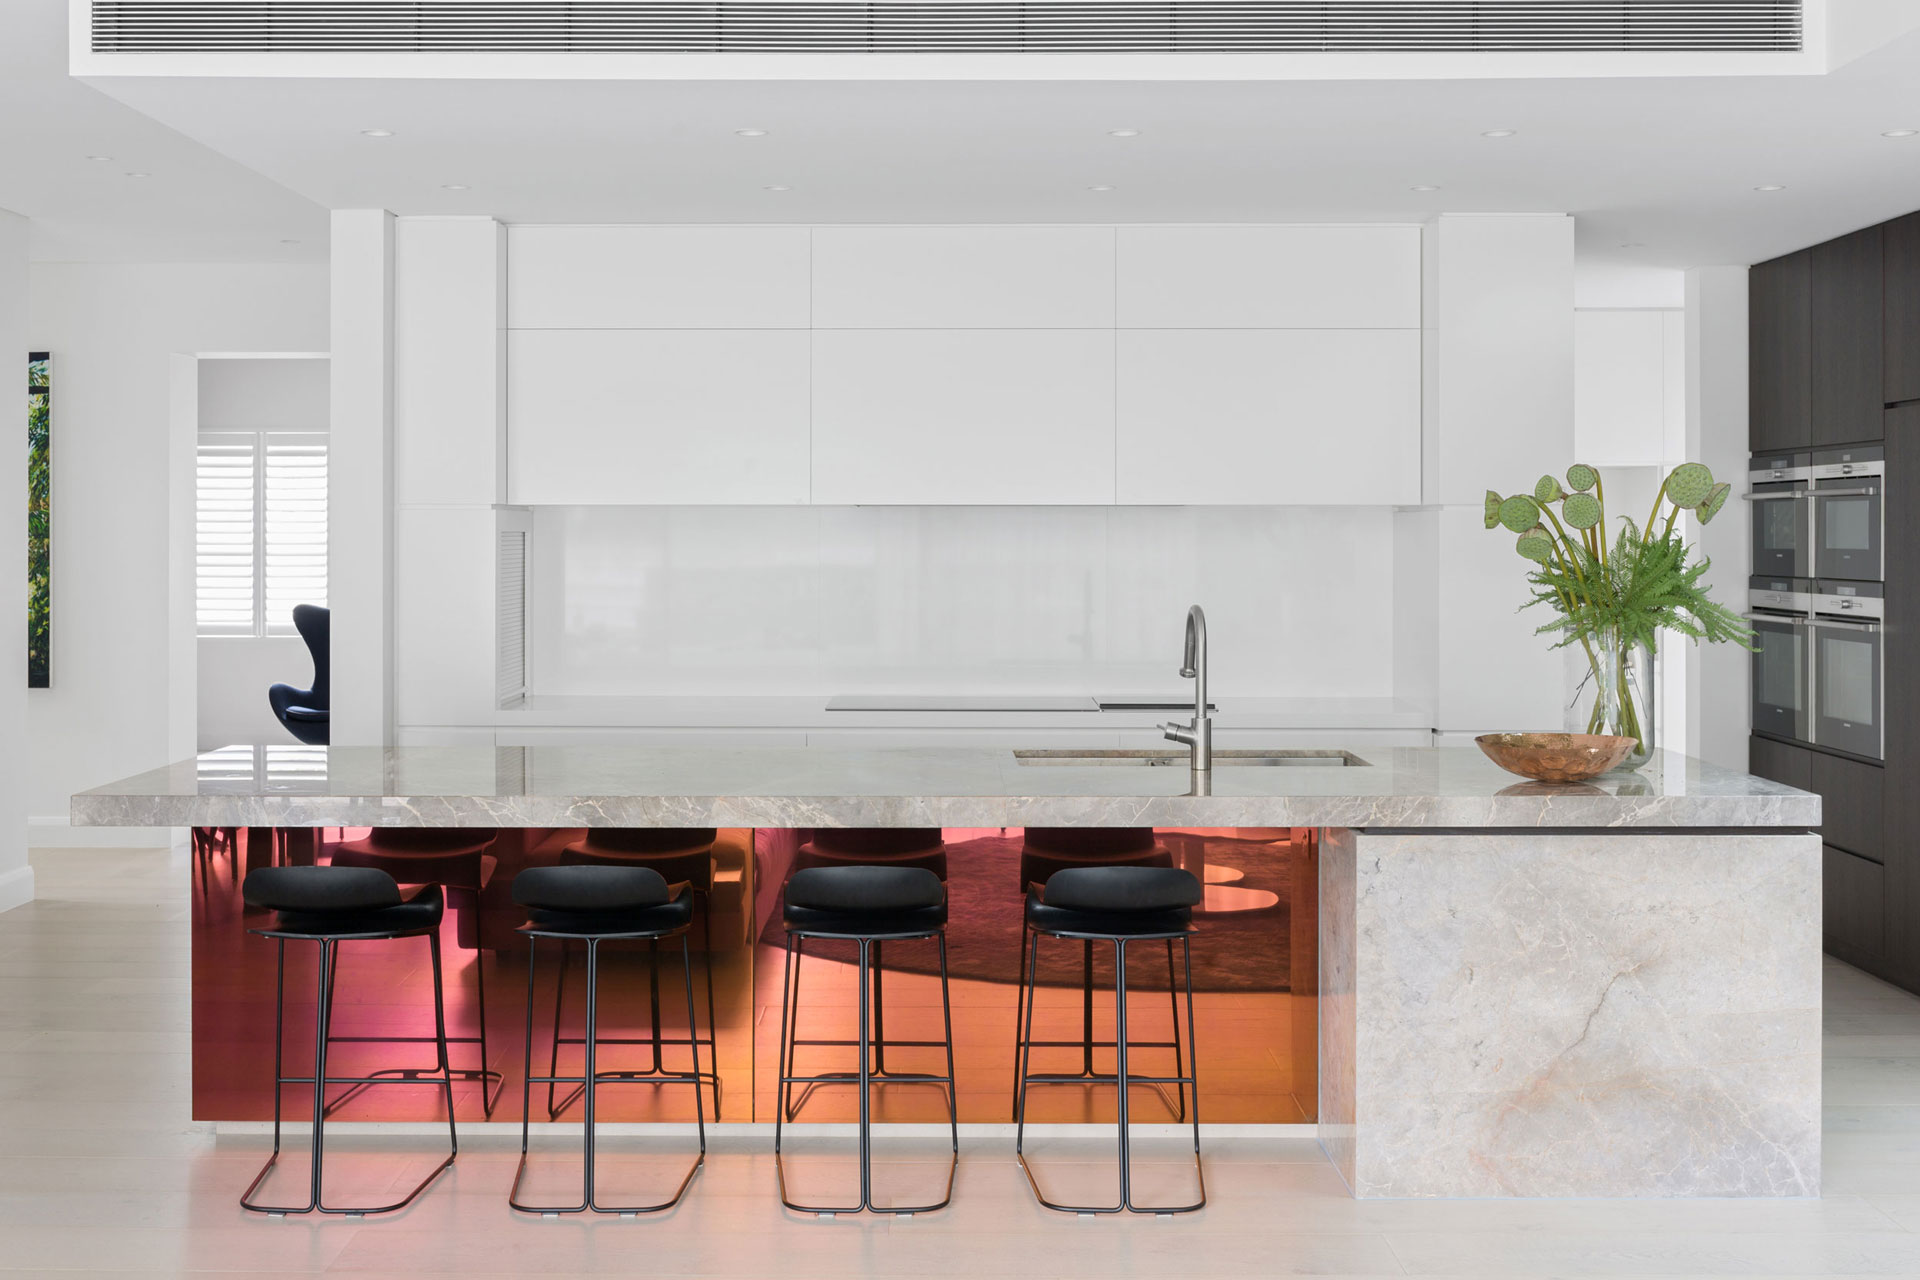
(39, 519)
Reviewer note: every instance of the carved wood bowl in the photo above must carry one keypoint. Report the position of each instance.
(1556, 757)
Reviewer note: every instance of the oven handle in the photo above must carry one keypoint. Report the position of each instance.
(1842, 625)
(1791, 619)
(1778, 497)
(1864, 492)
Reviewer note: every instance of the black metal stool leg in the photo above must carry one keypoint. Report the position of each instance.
(559, 1000)
(706, 967)
(879, 1012)
(1173, 1005)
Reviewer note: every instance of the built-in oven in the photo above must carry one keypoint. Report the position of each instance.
(1779, 610)
(1849, 512)
(1781, 490)
(1848, 667)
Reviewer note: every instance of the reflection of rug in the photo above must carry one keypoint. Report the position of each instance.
(1238, 951)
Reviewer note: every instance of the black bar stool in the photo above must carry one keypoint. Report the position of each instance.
(924, 847)
(1046, 850)
(457, 861)
(680, 855)
(866, 906)
(328, 906)
(1118, 905)
(595, 904)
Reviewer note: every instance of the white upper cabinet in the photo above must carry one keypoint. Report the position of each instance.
(653, 416)
(657, 278)
(1269, 416)
(1304, 277)
(963, 277)
(972, 416)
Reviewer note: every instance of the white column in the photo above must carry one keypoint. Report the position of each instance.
(360, 484)
(16, 877)
(1497, 410)
(449, 441)
(1718, 708)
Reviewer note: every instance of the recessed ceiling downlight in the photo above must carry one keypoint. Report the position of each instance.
(1423, 187)
(1498, 133)
(1899, 133)
(749, 133)
(99, 158)
(137, 174)
(1770, 186)
(779, 186)
(453, 186)
(376, 133)
(1100, 187)
(1123, 133)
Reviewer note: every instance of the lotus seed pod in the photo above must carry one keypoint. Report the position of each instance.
(1536, 544)
(1548, 490)
(1519, 513)
(1716, 499)
(1689, 484)
(1493, 509)
(1582, 510)
(1581, 477)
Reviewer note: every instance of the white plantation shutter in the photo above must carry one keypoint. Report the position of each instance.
(295, 500)
(226, 533)
(260, 530)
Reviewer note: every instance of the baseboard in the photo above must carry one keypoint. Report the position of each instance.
(55, 831)
(16, 888)
(764, 1129)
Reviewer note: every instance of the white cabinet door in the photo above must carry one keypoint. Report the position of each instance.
(657, 278)
(963, 416)
(1494, 673)
(657, 416)
(963, 277)
(1269, 277)
(1269, 416)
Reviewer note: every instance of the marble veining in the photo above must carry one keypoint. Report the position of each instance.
(1572, 1014)
(557, 786)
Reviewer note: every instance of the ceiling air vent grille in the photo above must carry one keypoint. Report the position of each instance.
(946, 26)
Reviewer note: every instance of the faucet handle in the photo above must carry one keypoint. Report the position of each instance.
(1177, 732)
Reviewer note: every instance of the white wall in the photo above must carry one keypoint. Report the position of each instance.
(824, 600)
(1719, 710)
(16, 877)
(114, 331)
(235, 671)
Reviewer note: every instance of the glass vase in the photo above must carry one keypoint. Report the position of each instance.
(1616, 696)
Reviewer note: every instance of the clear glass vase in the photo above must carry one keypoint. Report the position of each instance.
(1615, 696)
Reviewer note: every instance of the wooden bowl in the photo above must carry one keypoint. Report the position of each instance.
(1556, 757)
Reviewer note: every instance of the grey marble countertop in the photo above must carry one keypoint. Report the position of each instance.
(563, 786)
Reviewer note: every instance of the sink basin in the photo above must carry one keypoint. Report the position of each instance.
(1304, 758)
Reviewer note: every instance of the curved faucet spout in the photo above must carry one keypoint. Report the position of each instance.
(1198, 735)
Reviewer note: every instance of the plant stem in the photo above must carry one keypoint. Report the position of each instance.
(1655, 513)
(1600, 529)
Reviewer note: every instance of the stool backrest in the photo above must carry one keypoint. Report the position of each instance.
(865, 889)
(315, 889)
(590, 888)
(649, 839)
(876, 841)
(1089, 842)
(1122, 889)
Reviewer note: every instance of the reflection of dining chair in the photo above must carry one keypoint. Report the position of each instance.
(458, 862)
(305, 712)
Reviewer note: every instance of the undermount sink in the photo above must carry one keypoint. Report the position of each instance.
(1304, 758)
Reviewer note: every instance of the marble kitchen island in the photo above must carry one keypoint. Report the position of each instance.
(1607, 989)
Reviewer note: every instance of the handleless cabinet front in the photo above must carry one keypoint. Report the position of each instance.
(1846, 342)
(1779, 388)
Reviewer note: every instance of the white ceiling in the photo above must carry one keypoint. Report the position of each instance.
(197, 206)
(1666, 166)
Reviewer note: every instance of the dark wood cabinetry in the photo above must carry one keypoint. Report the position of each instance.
(1900, 840)
(1779, 363)
(1901, 347)
(1845, 290)
(1851, 809)
(1780, 762)
(1852, 910)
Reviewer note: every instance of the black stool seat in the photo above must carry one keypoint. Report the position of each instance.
(341, 902)
(1120, 892)
(865, 901)
(590, 900)
(1106, 924)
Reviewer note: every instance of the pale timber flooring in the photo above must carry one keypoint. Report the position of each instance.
(102, 1173)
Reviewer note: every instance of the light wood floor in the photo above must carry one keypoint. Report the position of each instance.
(100, 1171)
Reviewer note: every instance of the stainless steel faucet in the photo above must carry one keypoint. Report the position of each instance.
(1199, 734)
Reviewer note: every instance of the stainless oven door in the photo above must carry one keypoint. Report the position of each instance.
(1847, 525)
(1781, 690)
(1781, 530)
(1847, 690)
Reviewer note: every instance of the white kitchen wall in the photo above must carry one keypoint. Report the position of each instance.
(16, 877)
(235, 671)
(824, 600)
(115, 330)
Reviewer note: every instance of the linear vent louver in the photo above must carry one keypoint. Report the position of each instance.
(510, 614)
(947, 26)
